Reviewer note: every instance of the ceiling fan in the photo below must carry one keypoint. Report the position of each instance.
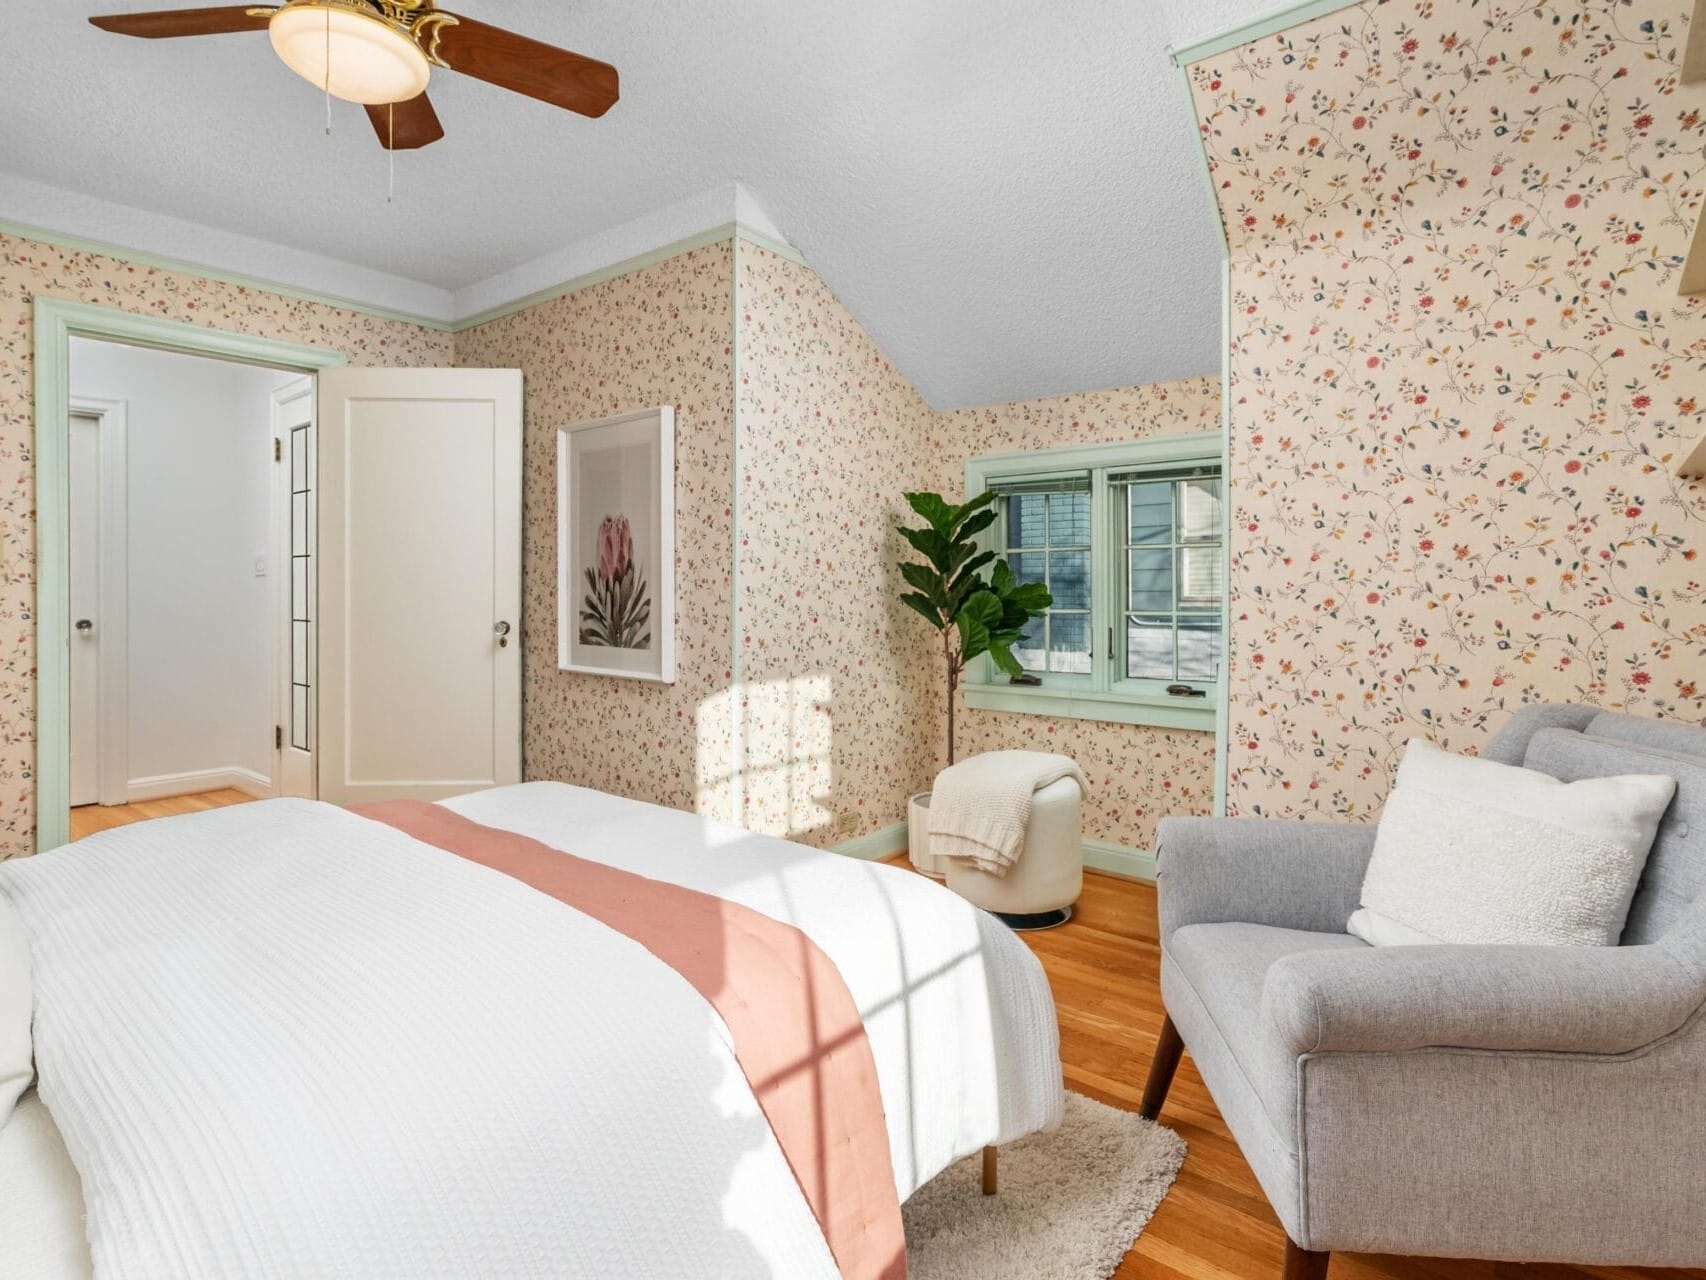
(380, 53)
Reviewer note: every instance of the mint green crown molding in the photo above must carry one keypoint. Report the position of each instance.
(1267, 24)
(56, 322)
(663, 253)
(713, 235)
(78, 244)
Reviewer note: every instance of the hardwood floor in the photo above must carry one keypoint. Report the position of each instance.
(1104, 967)
(90, 818)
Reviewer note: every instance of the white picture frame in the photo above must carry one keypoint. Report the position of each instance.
(616, 546)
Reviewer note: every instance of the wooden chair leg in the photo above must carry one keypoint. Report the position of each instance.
(989, 1171)
(1303, 1264)
(1161, 1069)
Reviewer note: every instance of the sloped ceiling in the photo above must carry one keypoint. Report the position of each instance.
(1006, 193)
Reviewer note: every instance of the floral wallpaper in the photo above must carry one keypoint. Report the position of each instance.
(1461, 375)
(1137, 774)
(29, 268)
(836, 682)
(659, 335)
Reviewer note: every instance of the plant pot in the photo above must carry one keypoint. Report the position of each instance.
(918, 837)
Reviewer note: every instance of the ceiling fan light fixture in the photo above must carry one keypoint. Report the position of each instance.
(352, 54)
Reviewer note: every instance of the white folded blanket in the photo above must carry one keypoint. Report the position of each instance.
(980, 807)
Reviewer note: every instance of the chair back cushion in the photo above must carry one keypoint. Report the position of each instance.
(1675, 874)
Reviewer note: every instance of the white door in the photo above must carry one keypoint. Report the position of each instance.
(294, 555)
(85, 609)
(419, 582)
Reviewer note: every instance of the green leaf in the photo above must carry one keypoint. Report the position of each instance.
(925, 579)
(933, 546)
(1002, 655)
(922, 604)
(980, 612)
(976, 525)
(965, 509)
(1032, 597)
(1001, 578)
(935, 509)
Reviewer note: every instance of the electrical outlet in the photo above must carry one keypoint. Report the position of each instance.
(260, 566)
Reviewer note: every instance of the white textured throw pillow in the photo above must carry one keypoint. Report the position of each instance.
(1476, 851)
(17, 1008)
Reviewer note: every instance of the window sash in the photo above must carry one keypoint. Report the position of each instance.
(1104, 692)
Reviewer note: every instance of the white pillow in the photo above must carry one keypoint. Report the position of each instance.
(1476, 851)
(17, 1007)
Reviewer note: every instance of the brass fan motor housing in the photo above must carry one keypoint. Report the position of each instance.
(419, 20)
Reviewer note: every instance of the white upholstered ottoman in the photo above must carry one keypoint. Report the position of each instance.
(1039, 889)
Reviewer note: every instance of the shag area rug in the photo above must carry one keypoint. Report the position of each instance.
(1070, 1202)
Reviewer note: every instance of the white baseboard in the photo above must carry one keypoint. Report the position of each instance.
(1099, 855)
(876, 845)
(184, 784)
(1120, 860)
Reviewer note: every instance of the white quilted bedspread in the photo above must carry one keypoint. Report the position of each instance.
(283, 1041)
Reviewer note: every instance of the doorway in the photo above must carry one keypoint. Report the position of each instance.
(189, 485)
(89, 572)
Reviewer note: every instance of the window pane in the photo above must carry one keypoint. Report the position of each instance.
(1031, 649)
(1069, 643)
(1199, 509)
(1029, 566)
(1149, 648)
(1026, 513)
(1199, 648)
(1151, 580)
(1150, 511)
(1199, 577)
(1069, 519)
(1069, 579)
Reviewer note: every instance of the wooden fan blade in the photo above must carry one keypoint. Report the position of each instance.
(404, 126)
(183, 22)
(526, 66)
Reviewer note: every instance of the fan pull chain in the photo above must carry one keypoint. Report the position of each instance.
(328, 73)
(390, 151)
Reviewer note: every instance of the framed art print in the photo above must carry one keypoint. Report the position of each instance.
(616, 546)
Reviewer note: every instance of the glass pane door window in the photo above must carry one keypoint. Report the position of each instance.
(1046, 538)
(1173, 578)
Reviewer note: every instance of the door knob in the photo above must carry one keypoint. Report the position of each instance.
(502, 631)
(85, 626)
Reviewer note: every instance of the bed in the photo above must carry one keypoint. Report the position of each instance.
(284, 1039)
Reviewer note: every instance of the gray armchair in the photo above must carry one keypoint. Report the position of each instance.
(1542, 1104)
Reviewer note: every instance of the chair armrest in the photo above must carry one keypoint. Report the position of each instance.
(1293, 875)
(1539, 999)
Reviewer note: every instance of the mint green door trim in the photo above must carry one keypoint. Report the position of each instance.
(56, 321)
(1267, 24)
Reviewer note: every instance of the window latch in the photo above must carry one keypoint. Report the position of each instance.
(1185, 691)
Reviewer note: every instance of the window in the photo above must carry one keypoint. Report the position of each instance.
(1129, 540)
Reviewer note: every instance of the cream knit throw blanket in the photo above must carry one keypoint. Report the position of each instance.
(980, 807)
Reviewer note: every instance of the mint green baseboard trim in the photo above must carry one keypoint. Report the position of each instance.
(1119, 860)
(180, 266)
(876, 845)
(1099, 855)
(1267, 24)
(56, 320)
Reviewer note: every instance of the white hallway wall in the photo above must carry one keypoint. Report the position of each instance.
(201, 640)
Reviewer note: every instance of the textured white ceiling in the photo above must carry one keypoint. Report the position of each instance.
(1006, 193)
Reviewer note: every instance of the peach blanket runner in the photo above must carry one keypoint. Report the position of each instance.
(797, 1033)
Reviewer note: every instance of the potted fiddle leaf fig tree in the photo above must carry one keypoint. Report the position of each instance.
(974, 612)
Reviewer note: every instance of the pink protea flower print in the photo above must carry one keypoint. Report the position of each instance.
(617, 608)
(615, 548)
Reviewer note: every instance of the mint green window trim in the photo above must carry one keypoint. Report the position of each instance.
(1103, 694)
(56, 322)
